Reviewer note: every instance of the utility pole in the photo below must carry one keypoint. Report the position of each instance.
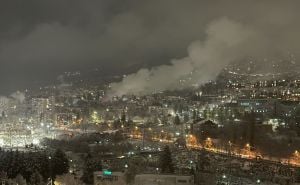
(143, 137)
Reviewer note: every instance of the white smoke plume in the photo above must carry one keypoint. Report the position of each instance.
(19, 96)
(3, 101)
(225, 42)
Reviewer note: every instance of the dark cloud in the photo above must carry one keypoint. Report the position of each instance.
(40, 39)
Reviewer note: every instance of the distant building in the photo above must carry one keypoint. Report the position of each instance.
(157, 179)
(256, 105)
(66, 118)
(42, 109)
(107, 177)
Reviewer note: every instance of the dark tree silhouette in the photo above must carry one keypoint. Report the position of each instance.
(297, 175)
(60, 163)
(36, 178)
(91, 165)
(166, 161)
(203, 161)
(177, 120)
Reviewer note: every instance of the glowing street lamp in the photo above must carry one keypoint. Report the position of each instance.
(230, 146)
(258, 181)
(208, 143)
(192, 140)
(296, 156)
(247, 147)
(296, 153)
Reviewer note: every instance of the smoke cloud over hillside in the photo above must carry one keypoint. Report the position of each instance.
(41, 39)
(19, 96)
(205, 60)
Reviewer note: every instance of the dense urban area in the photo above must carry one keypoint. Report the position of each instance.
(242, 128)
(149, 92)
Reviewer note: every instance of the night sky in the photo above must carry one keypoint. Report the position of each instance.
(40, 39)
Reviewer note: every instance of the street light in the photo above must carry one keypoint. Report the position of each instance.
(157, 169)
(258, 181)
(50, 169)
(208, 143)
(230, 146)
(248, 147)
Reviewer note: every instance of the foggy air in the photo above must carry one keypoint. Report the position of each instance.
(149, 92)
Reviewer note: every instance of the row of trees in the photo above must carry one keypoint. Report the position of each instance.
(91, 164)
(166, 163)
(280, 143)
(138, 165)
(80, 144)
(34, 167)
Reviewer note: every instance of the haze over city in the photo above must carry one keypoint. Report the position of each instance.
(40, 40)
(148, 92)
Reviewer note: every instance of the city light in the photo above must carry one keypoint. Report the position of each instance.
(137, 92)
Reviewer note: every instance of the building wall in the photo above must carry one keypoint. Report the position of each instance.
(117, 178)
(153, 179)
